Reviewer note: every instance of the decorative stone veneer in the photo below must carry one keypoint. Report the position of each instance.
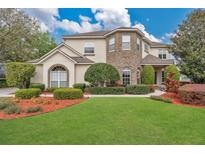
(125, 59)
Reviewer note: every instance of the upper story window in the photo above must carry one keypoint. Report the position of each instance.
(89, 48)
(126, 42)
(138, 43)
(162, 54)
(111, 44)
(146, 47)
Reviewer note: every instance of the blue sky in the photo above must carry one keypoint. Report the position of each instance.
(157, 24)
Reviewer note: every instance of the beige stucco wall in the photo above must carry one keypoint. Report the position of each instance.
(38, 76)
(80, 72)
(58, 58)
(100, 48)
(144, 54)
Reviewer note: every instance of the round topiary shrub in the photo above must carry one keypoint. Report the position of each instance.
(172, 69)
(148, 74)
(28, 93)
(101, 73)
(38, 85)
(67, 93)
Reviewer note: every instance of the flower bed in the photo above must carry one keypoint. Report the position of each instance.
(46, 104)
(176, 100)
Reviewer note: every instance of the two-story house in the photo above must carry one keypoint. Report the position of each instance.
(127, 49)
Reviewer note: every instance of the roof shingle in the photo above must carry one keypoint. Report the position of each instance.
(152, 60)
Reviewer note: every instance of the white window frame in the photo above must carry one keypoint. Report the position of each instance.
(126, 70)
(111, 44)
(163, 53)
(125, 40)
(89, 45)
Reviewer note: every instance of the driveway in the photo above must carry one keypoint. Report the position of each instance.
(5, 92)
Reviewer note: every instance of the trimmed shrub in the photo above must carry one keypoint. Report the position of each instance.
(19, 74)
(51, 89)
(138, 89)
(12, 109)
(101, 74)
(192, 93)
(34, 109)
(148, 74)
(3, 83)
(67, 93)
(159, 98)
(80, 86)
(28, 93)
(38, 85)
(172, 69)
(107, 90)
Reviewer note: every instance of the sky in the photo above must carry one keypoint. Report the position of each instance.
(157, 24)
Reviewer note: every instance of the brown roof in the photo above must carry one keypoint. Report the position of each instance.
(93, 33)
(158, 44)
(152, 60)
(82, 60)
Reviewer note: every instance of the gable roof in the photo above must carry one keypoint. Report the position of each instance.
(152, 60)
(79, 59)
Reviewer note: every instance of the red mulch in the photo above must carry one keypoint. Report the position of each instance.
(176, 100)
(52, 106)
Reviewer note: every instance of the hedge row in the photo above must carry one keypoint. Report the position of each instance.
(38, 85)
(129, 89)
(67, 93)
(107, 90)
(3, 83)
(80, 86)
(28, 93)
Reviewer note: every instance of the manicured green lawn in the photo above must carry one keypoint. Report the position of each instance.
(110, 121)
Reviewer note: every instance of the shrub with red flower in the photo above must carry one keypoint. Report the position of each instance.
(171, 84)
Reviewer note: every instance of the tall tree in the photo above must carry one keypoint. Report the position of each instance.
(18, 35)
(189, 46)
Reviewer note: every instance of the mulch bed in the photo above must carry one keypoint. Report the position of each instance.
(176, 100)
(52, 105)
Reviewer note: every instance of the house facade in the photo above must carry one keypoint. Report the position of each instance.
(127, 49)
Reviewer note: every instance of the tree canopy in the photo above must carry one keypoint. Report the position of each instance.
(189, 46)
(21, 37)
(101, 73)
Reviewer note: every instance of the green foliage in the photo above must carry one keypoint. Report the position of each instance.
(28, 93)
(101, 73)
(67, 93)
(159, 98)
(38, 85)
(148, 74)
(138, 89)
(172, 69)
(79, 86)
(19, 74)
(189, 47)
(11, 109)
(3, 83)
(34, 109)
(21, 36)
(107, 90)
(4, 103)
(52, 89)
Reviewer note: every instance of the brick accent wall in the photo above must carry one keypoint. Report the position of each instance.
(125, 59)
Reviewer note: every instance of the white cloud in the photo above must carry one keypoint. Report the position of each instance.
(112, 18)
(149, 36)
(167, 37)
(106, 18)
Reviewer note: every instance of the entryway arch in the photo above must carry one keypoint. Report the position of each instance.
(58, 76)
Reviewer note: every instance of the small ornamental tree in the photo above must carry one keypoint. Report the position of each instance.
(19, 74)
(101, 73)
(172, 85)
(148, 74)
(172, 69)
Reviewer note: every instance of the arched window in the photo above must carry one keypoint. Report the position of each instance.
(58, 77)
(126, 76)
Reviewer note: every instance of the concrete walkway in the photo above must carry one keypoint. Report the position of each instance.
(9, 92)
